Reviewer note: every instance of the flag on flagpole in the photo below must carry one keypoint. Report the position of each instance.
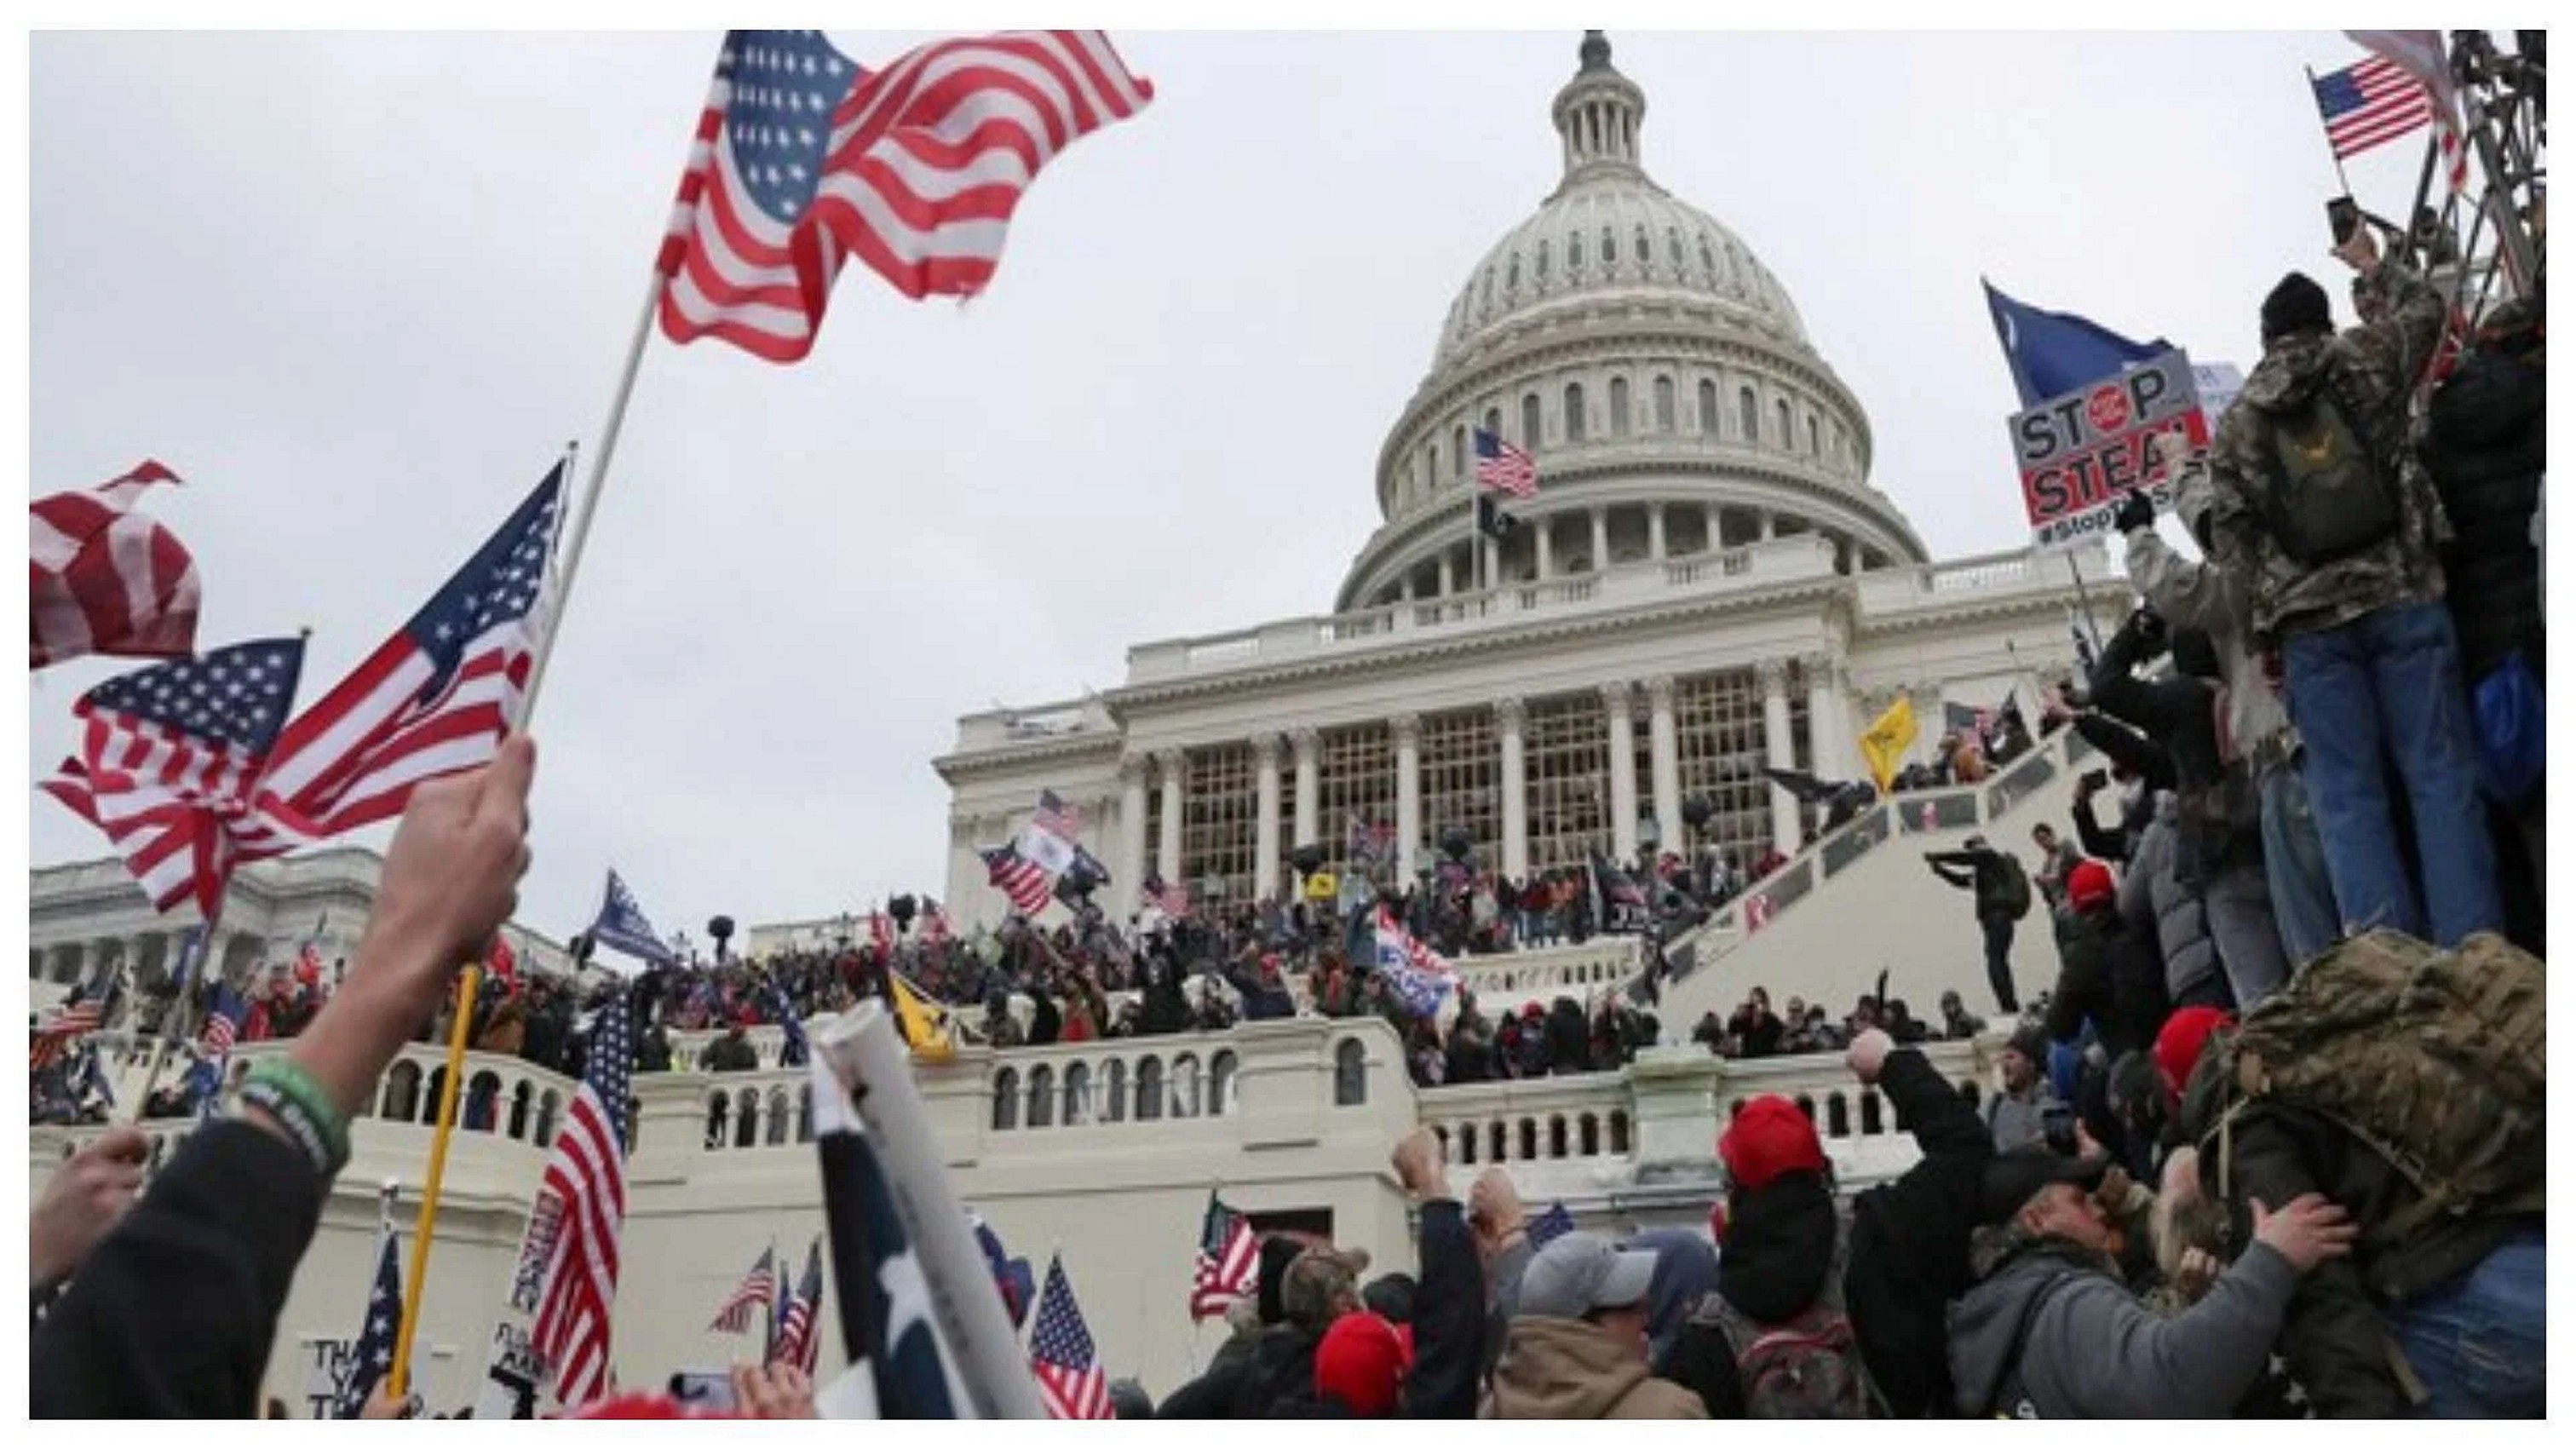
(881, 932)
(2054, 353)
(1015, 876)
(734, 1314)
(373, 1356)
(1062, 1356)
(171, 756)
(585, 1178)
(621, 926)
(803, 159)
(1887, 740)
(1228, 1265)
(935, 926)
(797, 1340)
(1047, 841)
(924, 1027)
(2368, 104)
(2423, 55)
(433, 700)
(1011, 1277)
(1502, 468)
(104, 580)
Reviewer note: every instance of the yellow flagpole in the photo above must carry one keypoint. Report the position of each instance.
(417, 1281)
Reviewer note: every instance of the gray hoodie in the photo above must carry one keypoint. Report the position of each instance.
(2200, 595)
(2090, 1350)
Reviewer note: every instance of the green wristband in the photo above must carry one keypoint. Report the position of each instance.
(285, 1090)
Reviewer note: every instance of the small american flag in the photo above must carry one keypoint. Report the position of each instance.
(1057, 817)
(171, 756)
(934, 924)
(1502, 468)
(586, 1178)
(803, 160)
(1228, 1266)
(372, 1357)
(734, 1316)
(433, 700)
(797, 1341)
(881, 931)
(2369, 103)
(223, 1021)
(1172, 900)
(104, 580)
(68, 1025)
(1016, 876)
(1071, 1382)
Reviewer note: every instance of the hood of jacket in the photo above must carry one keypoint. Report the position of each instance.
(1563, 1368)
(1986, 1322)
(1779, 1247)
(2290, 373)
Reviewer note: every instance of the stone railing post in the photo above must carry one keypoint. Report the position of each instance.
(1675, 1092)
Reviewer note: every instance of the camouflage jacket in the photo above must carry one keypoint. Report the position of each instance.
(2374, 369)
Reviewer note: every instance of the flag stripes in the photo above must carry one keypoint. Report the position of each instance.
(104, 580)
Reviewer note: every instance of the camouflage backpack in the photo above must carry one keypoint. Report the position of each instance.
(2330, 496)
(2436, 1059)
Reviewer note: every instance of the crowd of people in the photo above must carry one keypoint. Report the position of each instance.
(1754, 1030)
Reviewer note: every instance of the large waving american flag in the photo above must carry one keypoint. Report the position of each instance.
(1018, 877)
(171, 758)
(104, 580)
(1062, 1357)
(798, 1343)
(1502, 468)
(802, 160)
(434, 699)
(586, 1178)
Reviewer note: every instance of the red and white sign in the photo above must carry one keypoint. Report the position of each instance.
(2082, 452)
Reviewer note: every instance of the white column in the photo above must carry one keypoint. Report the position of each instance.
(1774, 675)
(1827, 747)
(1405, 589)
(1769, 524)
(1448, 576)
(1545, 541)
(1408, 791)
(1265, 828)
(1131, 832)
(1508, 715)
(1716, 530)
(1618, 701)
(1654, 530)
(1929, 719)
(1493, 551)
(1303, 739)
(1600, 539)
(1665, 740)
(1168, 854)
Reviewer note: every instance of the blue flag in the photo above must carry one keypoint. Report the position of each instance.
(2054, 353)
(621, 927)
(192, 945)
(1548, 1226)
(888, 1328)
(373, 1357)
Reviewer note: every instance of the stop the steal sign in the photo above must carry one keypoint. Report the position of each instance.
(2082, 452)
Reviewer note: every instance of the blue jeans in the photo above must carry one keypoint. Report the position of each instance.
(2294, 866)
(2390, 681)
(2480, 1342)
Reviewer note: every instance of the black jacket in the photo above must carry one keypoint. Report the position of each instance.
(1909, 1240)
(174, 1312)
(2487, 447)
(1989, 877)
(2115, 976)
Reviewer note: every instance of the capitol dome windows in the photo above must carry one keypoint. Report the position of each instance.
(1815, 449)
(1708, 408)
(1748, 417)
(1574, 252)
(1707, 258)
(1664, 421)
(1542, 259)
(1512, 281)
(1787, 441)
(1494, 421)
(1609, 247)
(1618, 407)
(1645, 253)
(1006, 1104)
(1673, 246)
(1574, 412)
(1529, 421)
(1458, 453)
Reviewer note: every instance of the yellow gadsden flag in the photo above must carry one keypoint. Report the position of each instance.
(925, 1027)
(1888, 740)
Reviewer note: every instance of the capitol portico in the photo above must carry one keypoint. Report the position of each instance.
(1706, 584)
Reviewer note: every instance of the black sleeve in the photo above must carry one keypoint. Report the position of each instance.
(2099, 843)
(2127, 748)
(1209, 1396)
(1700, 1361)
(1943, 1123)
(1448, 1318)
(174, 1313)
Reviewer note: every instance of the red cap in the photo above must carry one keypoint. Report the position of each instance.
(2090, 885)
(1769, 1139)
(1361, 1362)
(2178, 1046)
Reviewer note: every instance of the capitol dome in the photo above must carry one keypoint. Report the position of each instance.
(1651, 365)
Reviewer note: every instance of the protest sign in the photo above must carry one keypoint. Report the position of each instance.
(2082, 452)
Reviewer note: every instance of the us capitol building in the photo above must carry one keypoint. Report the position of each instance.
(1709, 583)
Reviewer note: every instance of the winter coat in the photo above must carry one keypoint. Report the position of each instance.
(2202, 596)
(2056, 1324)
(2182, 713)
(1565, 1368)
(2487, 446)
(1990, 879)
(1909, 1239)
(2372, 369)
(2107, 970)
(2160, 908)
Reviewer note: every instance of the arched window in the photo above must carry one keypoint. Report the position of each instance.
(1041, 1096)
(1708, 407)
(1221, 1085)
(432, 1089)
(1645, 253)
(1149, 1090)
(778, 1123)
(1748, 417)
(1006, 1100)
(805, 1111)
(1707, 259)
(1780, 410)
(1673, 246)
(1529, 1139)
(1431, 463)
(1609, 248)
(1185, 1085)
(1873, 1120)
(1574, 251)
(1467, 1145)
(1556, 1136)
(482, 1102)
(1542, 259)
(520, 1096)
(1664, 420)
(1619, 1134)
(746, 1122)
(1815, 449)
(1837, 1115)
(1489, 289)
(1618, 407)
(1077, 1094)
(719, 1108)
(1529, 422)
(1350, 1073)
(1113, 1091)
(402, 1092)
(548, 1104)
(1494, 1136)
(1574, 412)
(1589, 1127)
(1494, 421)
(1512, 282)
(1458, 452)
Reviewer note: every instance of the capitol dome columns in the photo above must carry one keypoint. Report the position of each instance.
(1509, 715)
(1168, 849)
(1305, 741)
(1265, 825)
(1407, 729)
(1131, 840)
(1664, 740)
(1774, 675)
(1829, 736)
(1617, 701)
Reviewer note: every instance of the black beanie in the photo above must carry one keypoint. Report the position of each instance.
(1277, 1253)
(2298, 304)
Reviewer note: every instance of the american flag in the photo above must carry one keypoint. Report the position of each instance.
(1549, 1226)
(889, 1329)
(802, 159)
(1048, 842)
(934, 924)
(1172, 900)
(223, 1021)
(68, 1025)
(881, 931)
(373, 1356)
(621, 926)
(1014, 875)
(2369, 103)
(170, 759)
(2424, 55)
(104, 580)
(1057, 817)
(586, 1176)
(435, 699)
(1413, 972)
(1228, 1266)
(735, 1314)
(1071, 1382)
(797, 1340)
(1502, 468)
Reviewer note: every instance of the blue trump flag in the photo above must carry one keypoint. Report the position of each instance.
(621, 927)
(2054, 353)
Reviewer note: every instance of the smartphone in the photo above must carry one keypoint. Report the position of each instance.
(2343, 216)
(2058, 1126)
(704, 1389)
(2094, 779)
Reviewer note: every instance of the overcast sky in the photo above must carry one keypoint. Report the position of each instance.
(359, 291)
